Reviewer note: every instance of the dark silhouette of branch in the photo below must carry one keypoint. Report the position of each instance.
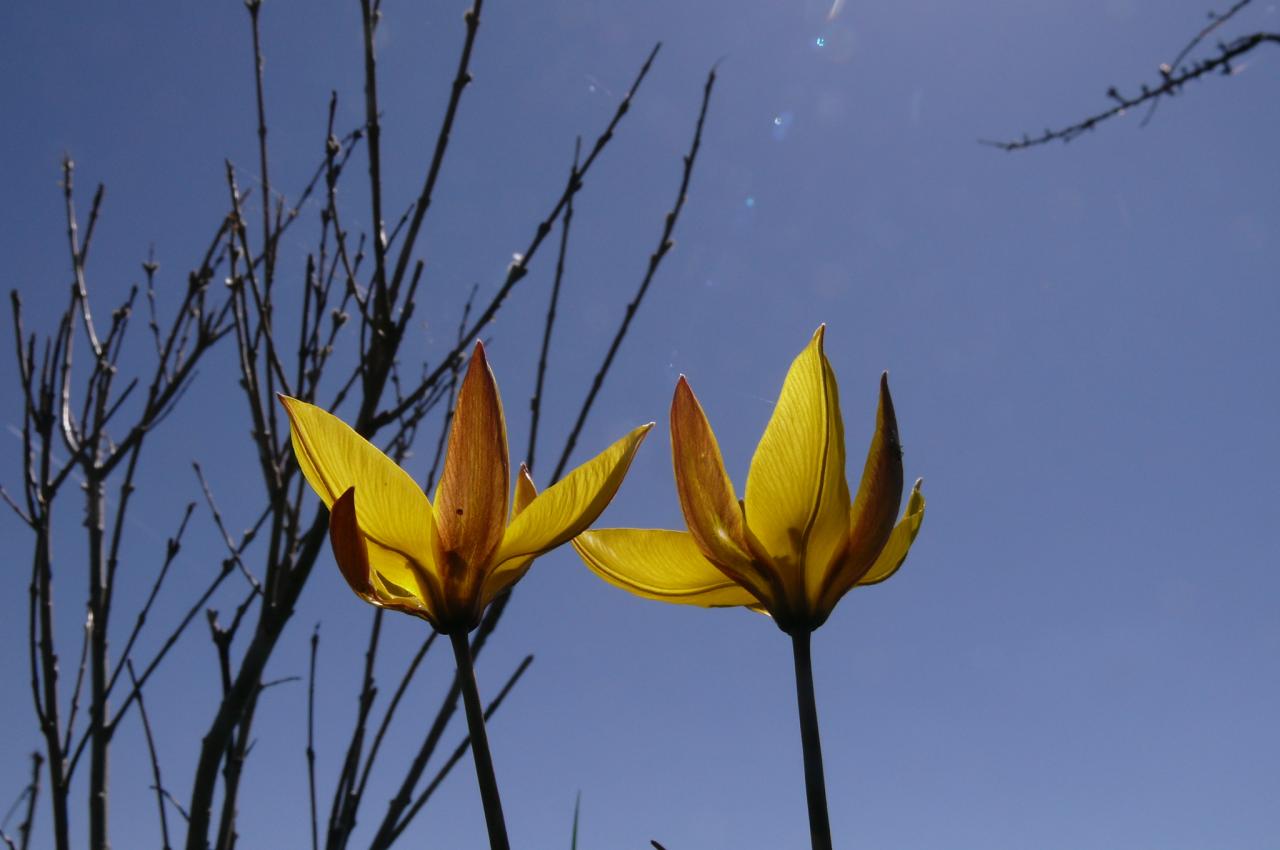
(460, 750)
(665, 244)
(519, 266)
(172, 547)
(1216, 21)
(155, 761)
(89, 421)
(29, 795)
(1173, 76)
(535, 403)
(471, 19)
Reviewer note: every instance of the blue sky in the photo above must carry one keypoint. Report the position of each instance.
(1080, 651)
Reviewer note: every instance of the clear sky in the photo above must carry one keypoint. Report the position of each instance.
(1081, 650)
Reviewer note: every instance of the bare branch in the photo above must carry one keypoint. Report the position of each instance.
(655, 259)
(155, 761)
(460, 80)
(1172, 78)
(1215, 21)
(535, 403)
(460, 750)
(520, 265)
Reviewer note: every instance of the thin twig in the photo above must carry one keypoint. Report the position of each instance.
(403, 798)
(155, 760)
(461, 750)
(232, 550)
(535, 403)
(471, 19)
(665, 244)
(520, 265)
(1215, 21)
(409, 672)
(1170, 84)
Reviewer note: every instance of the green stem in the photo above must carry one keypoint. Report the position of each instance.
(814, 781)
(480, 744)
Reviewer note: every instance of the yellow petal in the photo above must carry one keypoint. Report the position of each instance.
(376, 574)
(471, 505)
(872, 515)
(658, 564)
(900, 540)
(710, 506)
(797, 500)
(566, 508)
(525, 493)
(394, 512)
(889, 558)
(511, 570)
(880, 493)
(349, 548)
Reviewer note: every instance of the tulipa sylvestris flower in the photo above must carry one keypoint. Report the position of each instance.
(797, 542)
(447, 558)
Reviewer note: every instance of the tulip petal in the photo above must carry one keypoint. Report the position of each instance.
(888, 559)
(900, 540)
(566, 508)
(349, 548)
(511, 570)
(880, 492)
(711, 509)
(471, 501)
(797, 500)
(394, 512)
(376, 574)
(659, 564)
(872, 516)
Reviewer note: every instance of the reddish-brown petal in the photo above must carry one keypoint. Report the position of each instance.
(471, 505)
(349, 548)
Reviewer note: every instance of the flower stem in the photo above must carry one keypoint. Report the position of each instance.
(814, 781)
(480, 744)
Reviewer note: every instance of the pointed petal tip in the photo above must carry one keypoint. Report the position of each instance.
(886, 401)
(919, 483)
(478, 355)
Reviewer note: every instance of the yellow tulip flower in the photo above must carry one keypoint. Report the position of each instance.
(797, 543)
(446, 559)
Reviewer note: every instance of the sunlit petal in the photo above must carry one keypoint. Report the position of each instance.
(349, 548)
(566, 508)
(525, 493)
(357, 558)
(394, 512)
(658, 564)
(512, 570)
(710, 506)
(796, 498)
(471, 505)
(900, 540)
(880, 493)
